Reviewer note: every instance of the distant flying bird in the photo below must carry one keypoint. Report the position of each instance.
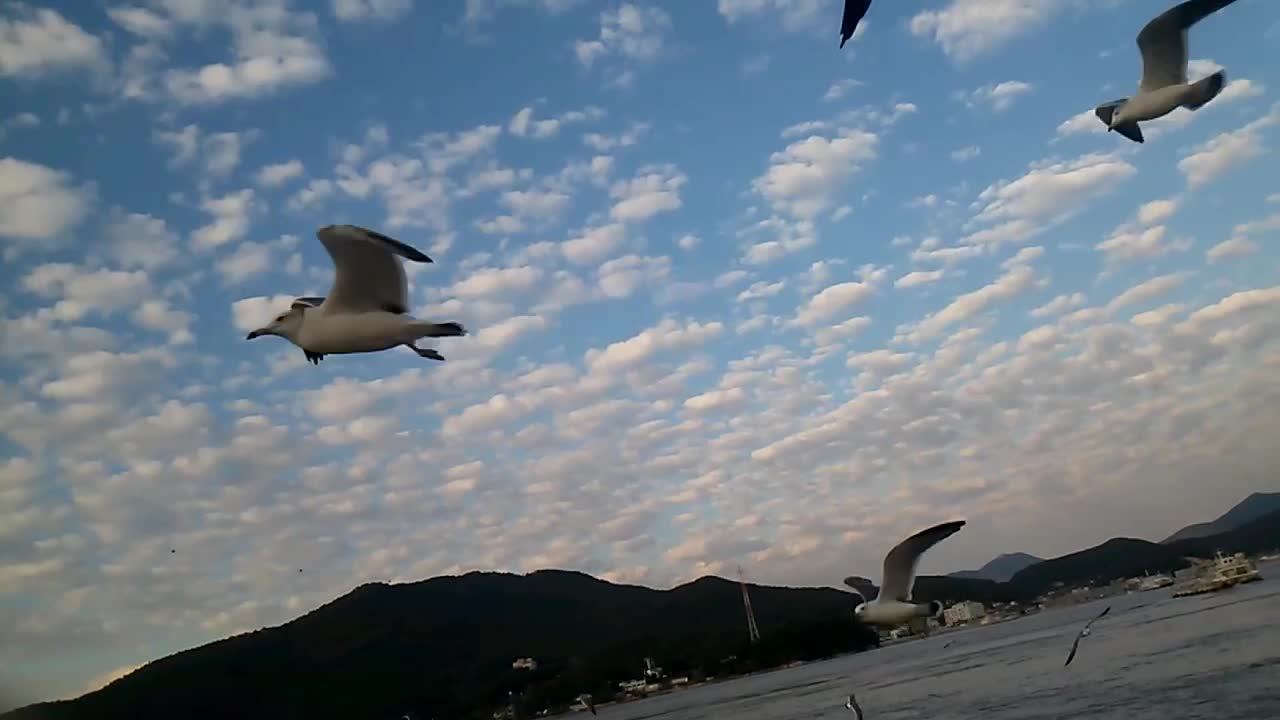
(1084, 633)
(852, 704)
(893, 605)
(367, 309)
(1164, 86)
(854, 11)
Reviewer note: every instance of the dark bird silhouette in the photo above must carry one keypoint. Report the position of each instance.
(854, 11)
(1084, 632)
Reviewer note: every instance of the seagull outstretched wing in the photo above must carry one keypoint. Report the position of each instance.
(1163, 42)
(368, 270)
(900, 563)
(854, 11)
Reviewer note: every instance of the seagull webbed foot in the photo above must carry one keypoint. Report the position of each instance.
(429, 353)
(313, 357)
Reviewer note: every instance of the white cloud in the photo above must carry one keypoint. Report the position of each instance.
(631, 32)
(354, 10)
(803, 178)
(249, 259)
(794, 15)
(35, 42)
(38, 204)
(594, 244)
(80, 291)
(523, 124)
(667, 336)
(138, 240)
(278, 174)
(1227, 150)
(1048, 194)
(998, 96)
(918, 277)
(965, 29)
(231, 219)
(966, 306)
(1231, 248)
(273, 48)
(838, 90)
(1147, 291)
(833, 300)
(966, 153)
(653, 190)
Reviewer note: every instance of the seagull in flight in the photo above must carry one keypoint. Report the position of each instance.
(854, 11)
(1084, 633)
(852, 704)
(1164, 86)
(367, 309)
(893, 605)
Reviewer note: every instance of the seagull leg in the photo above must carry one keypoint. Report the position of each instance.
(429, 353)
(313, 357)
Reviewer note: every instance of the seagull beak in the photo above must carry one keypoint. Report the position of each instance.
(256, 333)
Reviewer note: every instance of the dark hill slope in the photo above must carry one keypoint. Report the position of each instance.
(1244, 512)
(445, 646)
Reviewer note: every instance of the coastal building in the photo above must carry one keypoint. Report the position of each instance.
(964, 612)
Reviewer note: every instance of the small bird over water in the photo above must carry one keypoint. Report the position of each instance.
(893, 606)
(1164, 86)
(1084, 633)
(852, 704)
(367, 309)
(854, 11)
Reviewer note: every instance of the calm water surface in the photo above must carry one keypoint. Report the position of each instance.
(1215, 657)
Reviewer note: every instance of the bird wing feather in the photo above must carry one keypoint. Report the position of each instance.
(900, 563)
(1163, 42)
(368, 270)
(854, 11)
(1072, 655)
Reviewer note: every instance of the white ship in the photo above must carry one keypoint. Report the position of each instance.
(1154, 582)
(1225, 571)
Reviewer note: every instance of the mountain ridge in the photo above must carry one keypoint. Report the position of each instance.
(1000, 568)
(444, 645)
(1251, 508)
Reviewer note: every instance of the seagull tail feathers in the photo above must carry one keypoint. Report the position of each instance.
(445, 329)
(1206, 89)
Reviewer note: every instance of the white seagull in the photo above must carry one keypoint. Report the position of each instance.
(367, 309)
(893, 605)
(852, 704)
(1084, 633)
(1164, 86)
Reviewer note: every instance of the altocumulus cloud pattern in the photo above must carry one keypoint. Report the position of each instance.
(733, 294)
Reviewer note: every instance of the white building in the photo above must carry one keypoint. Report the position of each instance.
(964, 612)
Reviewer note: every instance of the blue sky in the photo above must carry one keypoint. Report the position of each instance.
(735, 296)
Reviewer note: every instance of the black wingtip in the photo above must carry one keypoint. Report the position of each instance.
(407, 251)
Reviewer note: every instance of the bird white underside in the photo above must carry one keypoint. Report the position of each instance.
(332, 333)
(891, 613)
(1157, 103)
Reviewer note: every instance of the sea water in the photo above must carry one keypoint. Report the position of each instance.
(1206, 657)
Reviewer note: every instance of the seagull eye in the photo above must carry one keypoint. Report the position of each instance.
(282, 317)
